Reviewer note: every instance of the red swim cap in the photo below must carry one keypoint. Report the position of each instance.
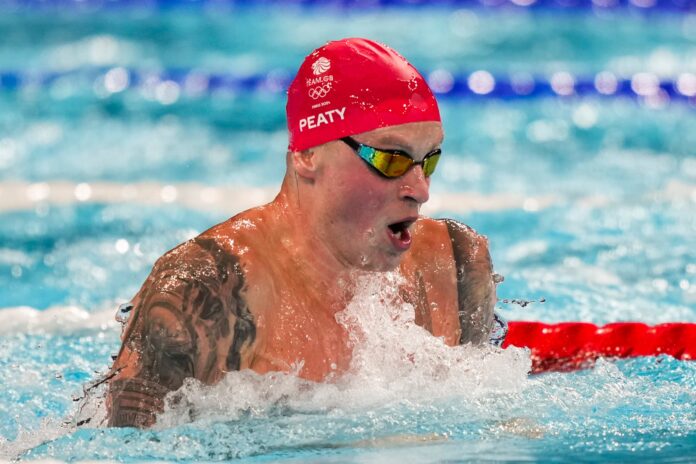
(352, 86)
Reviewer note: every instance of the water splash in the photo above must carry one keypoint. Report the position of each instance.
(404, 388)
(394, 361)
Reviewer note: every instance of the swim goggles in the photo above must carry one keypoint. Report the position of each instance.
(393, 163)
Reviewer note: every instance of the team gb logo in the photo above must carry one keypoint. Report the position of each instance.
(321, 66)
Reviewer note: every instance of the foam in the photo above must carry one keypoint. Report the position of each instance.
(394, 362)
(50, 429)
(54, 320)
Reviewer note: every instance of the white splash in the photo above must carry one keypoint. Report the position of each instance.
(50, 429)
(394, 361)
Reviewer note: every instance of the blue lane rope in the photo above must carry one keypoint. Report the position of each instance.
(639, 5)
(478, 84)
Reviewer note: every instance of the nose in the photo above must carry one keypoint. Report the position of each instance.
(415, 186)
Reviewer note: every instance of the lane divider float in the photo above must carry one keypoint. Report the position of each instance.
(171, 85)
(568, 346)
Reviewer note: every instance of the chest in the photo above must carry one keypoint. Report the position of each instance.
(297, 330)
(301, 336)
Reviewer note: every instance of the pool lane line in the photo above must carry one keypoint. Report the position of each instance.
(22, 196)
(58, 319)
(230, 200)
(170, 85)
(595, 6)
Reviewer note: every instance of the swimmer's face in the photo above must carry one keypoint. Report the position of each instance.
(367, 218)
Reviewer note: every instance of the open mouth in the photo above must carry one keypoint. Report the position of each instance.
(399, 233)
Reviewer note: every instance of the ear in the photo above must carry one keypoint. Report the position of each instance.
(305, 163)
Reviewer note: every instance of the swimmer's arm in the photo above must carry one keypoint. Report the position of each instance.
(190, 320)
(156, 357)
(475, 285)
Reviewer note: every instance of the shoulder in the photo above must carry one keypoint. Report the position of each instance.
(468, 246)
(194, 300)
(455, 239)
(191, 279)
(429, 234)
(189, 319)
(475, 283)
(203, 278)
(204, 260)
(457, 250)
(214, 252)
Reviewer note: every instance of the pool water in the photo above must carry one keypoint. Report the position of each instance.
(113, 149)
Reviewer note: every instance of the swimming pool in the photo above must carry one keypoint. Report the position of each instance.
(126, 130)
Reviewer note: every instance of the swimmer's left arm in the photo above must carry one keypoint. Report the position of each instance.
(475, 285)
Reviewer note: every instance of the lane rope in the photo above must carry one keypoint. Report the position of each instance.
(554, 5)
(18, 195)
(173, 84)
(568, 346)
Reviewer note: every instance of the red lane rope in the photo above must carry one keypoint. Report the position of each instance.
(576, 345)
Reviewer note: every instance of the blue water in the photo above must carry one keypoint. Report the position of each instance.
(589, 202)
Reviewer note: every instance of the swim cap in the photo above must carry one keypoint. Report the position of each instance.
(352, 86)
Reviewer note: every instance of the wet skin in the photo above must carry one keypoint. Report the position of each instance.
(261, 290)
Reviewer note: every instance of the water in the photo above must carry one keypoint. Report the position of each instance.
(588, 203)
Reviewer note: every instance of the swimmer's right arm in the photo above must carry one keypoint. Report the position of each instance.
(190, 319)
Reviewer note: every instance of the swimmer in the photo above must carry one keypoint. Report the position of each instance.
(260, 291)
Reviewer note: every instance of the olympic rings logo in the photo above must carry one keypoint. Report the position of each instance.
(319, 91)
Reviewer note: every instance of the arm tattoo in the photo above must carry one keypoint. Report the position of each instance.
(244, 326)
(136, 401)
(192, 308)
(475, 286)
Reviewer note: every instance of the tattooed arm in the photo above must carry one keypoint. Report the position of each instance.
(190, 320)
(475, 285)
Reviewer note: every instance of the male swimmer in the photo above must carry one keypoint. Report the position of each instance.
(260, 290)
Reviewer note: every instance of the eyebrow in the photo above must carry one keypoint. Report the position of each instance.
(394, 140)
(400, 143)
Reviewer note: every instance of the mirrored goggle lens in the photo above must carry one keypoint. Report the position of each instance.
(391, 164)
(395, 165)
(430, 163)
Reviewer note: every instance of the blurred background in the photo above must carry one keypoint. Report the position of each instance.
(127, 127)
